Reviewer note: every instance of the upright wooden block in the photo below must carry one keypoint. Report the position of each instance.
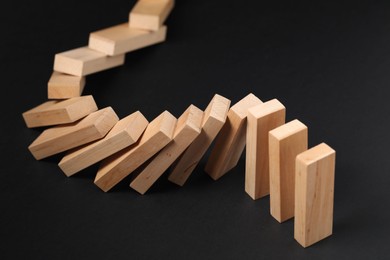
(230, 142)
(213, 120)
(187, 129)
(60, 112)
(285, 143)
(261, 119)
(63, 86)
(150, 14)
(314, 193)
(125, 133)
(116, 167)
(61, 138)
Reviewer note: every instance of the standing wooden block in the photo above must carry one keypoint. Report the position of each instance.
(60, 112)
(61, 138)
(187, 129)
(84, 61)
(261, 119)
(314, 193)
(230, 142)
(125, 133)
(285, 143)
(116, 167)
(150, 14)
(62, 86)
(213, 120)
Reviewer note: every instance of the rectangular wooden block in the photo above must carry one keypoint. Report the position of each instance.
(60, 112)
(150, 14)
(61, 138)
(187, 129)
(63, 86)
(261, 119)
(314, 194)
(116, 167)
(213, 120)
(125, 133)
(285, 143)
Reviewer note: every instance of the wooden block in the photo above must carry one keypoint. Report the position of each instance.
(187, 129)
(285, 143)
(61, 138)
(121, 38)
(230, 142)
(116, 167)
(60, 112)
(84, 61)
(261, 119)
(213, 120)
(63, 86)
(125, 133)
(314, 193)
(150, 14)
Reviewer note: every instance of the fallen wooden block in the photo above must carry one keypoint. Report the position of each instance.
(285, 143)
(116, 167)
(187, 129)
(213, 120)
(61, 138)
(59, 112)
(150, 14)
(261, 119)
(63, 86)
(314, 194)
(125, 133)
(230, 142)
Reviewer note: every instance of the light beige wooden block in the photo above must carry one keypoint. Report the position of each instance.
(121, 38)
(150, 14)
(84, 61)
(187, 129)
(213, 120)
(230, 142)
(285, 143)
(261, 119)
(60, 112)
(125, 133)
(61, 138)
(314, 194)
(116, 167)
(63, 86)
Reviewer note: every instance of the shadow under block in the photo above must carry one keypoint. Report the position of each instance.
(213, 120)
(121, 38)
(261, 119)
(61, 138)
(150, 14)
(187, 129)
(118, 166)
(62, 86)
(60, 112)
(230, 142)
(84, 61)
(314, 194)
(125, 133)
(285, 143)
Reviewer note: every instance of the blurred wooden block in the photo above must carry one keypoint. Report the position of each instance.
(125, 133)
(213, 120)
(314, 194)
(63, 86)
(261, 119)
(59, 112)
(230, 142)
(116, 167)
(187, 129)
(61, 138)
(150, 14)
(285, 143)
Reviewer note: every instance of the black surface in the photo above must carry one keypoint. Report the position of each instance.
(329, 64)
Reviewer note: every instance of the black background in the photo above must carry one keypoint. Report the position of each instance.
(328, 63)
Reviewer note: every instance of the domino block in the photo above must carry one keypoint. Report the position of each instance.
(125, 133)
(261, 119)
(61, 138)
(150, 14)
(230, 142)
(59, 112)
(213, 120)
(116, 167)
(63, 86)
(187, 129)
(285, 143)
(314, 194)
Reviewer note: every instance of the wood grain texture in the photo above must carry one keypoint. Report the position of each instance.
(150, 14)
(63, 86)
